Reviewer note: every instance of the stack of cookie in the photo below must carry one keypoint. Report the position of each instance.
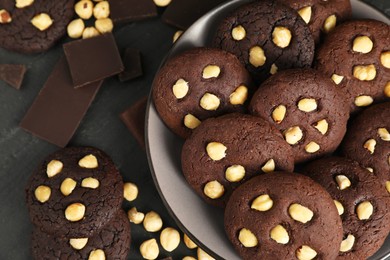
(312, 77)
(74, 200)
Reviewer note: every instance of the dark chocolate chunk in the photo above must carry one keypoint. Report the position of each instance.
(124, 11)
(93, 59)
(134, 119)
(57, 111)
(182, 14)
(12, 74)
(133, 65)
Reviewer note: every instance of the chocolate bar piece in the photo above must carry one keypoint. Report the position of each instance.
(124, 11)
(12, 74)
(93, 59)
(134, 119)
(183, 13)
(59, 107)
(133, 66)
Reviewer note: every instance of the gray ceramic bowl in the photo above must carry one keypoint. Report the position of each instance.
(203, 223)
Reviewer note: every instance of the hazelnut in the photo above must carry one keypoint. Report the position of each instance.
(202, 255)
(386, 90)
(191, 121)
(42, 193)
(180, 89)
(239, 96)
(269, 166)
(343, 182)
(211, 71)
(89, 161)
(235, 173)
(75, 28)
(90, 32)
(256, 56)
(306, 253)
(274, 69)
(130, 191)
(247, 238)
(322, 126)
(364, 72)
(364, 210)
(370, 145)
(23, 3)
(101, 10)
(312, 147)
(209, 102)
(305, 13)
(149, 249)
(214, 190)
(262, 203)
(67, 186)
(279, 113)
(347, 243)
(162, 3)
(135, 216)
(188, 242)
(188, 258)
(169, 239)
(337, 78)
(238, 33)
(363, 101)
(385, 59)
(90, 183)
(339, 206)
(104, 25)
(280, 234)
(216, 151)
(370, 169)
(384, 134)
(97, 254)
(281, 36)
(293, 135)
(78, 243)
(75, 212)
(330, 23)
(307, 104)
(362, 44)
(388, 186)
(300, 213)
(177, 35)
(53, 168)
(42, 21)
(152, 222)
(84, 9)
(5, 16)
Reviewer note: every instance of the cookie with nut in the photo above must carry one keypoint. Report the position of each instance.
(357, 57)
(285, 40)
(361, 200)
(198, 84)
(226, 151)
(286, 205)
(74, 192)
(307, 108)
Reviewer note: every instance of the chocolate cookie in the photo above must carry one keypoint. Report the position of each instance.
(266, 36)
(198, 84)
(226, 151)
(368, 141)
(362, 202)
(36, 27)
(283, 216)
(113, 241)
(321, 16)
(356, 55)
(307, 108)
(74, 192)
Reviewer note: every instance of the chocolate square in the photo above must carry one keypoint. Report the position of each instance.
(93, 59)
(124, 11)
(133, 65)
(12, 74)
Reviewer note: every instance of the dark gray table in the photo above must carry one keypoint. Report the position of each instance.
(21, 152)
